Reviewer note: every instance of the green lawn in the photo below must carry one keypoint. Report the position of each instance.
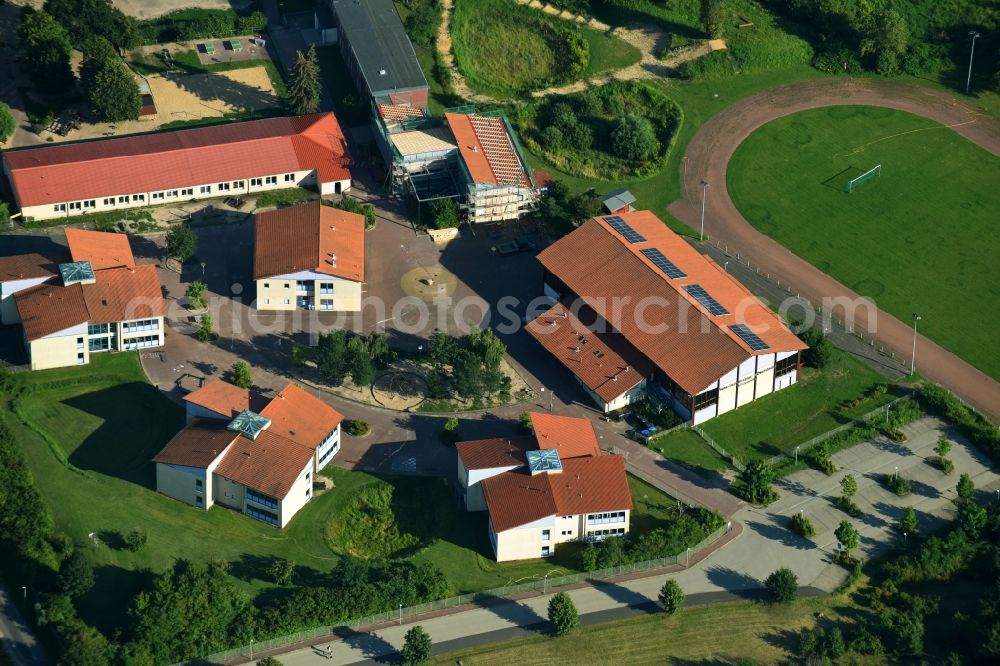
(707, 634)
(919, 238)
(687, 448)
(608, 53)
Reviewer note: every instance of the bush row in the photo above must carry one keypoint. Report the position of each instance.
(943, 403)
(686, 531)
(185, 25)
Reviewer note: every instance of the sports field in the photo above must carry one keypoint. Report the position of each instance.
(919, 238)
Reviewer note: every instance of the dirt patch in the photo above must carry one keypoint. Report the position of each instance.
(146, 9)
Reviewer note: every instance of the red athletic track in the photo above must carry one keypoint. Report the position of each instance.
(708, 157)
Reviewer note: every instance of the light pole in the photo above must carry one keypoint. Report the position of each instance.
(542, 390)
(796, 455)
(913, 355)
(401, 615)
(688, 561)
(545, 584)
(904, 540)
(251, 649)
(24, 592)
(725, 266)
(895, 472)
(704, 188)
(972, 49)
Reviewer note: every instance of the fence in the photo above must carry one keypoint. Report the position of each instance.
(501, 593)
(819, 439)
(734, 461)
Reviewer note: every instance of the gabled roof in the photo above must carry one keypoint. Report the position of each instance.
(269, 464)
(603, 361)
(570, 436)
(32, 265)
(496, 452)
(680, 336)
(220, 397)
(102, 249)
(301, 417)
(586, 485)
(310, 237)
(487, 150)
(618, 199)
(198, 445)
(118, 294)
(179, 158)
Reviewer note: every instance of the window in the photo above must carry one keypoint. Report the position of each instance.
(123, 200)
(79, 358)
(171, 194)
(205, 189)
(304, 285)
(287, 302)
(158, 195)
(326, 287)
(546, 551)
(271, 180)
(141, 325)
(255, 182)
(264, 516)
(198, 501)
(187, 192)
(289, 177)
(308, 475)
(199, 484)
(138, 197)
(267, 301)
(307, 491)
(90, 203)
(99, 344)
(706, 399)
(611, 517)
(75, 205)
(239, 183)
(110, 201)
(263, 500)
(267, 285)
(223, 187)
(79, 343)
(287, 286)
(326, 305)
(786, 365)
(546, 535)
(97, 329)
(141, 342)
(59, 208)
(600, 535)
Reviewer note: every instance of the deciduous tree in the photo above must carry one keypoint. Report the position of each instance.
(965, 487)
(7, 126)
(47, 50)
(848, 486)
(563, 614)
(634, 138)
(281, 570)
(782, 586)
(846, 535)
(416, 647)
(671, 597)
(76, 574)
(182, 242)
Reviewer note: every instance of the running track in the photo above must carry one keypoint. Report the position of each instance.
(708, 156)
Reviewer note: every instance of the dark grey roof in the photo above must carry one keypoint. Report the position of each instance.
(380, 44)
(618, 199)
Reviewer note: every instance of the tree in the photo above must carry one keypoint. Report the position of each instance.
(524, 423)
(362, 369)
(449, 433)
(634, 138)
(846, 535)
(848, 486)
(281, 570)
(908, 521)
(943, 446)
(87, 18)
(47, 50)
(782, 586)
(76, 574)
(4, 213)
(331, 355)
(972, 518)
(206, 332)
(110, 85)
(304, 88)
(445, 213)
(711, 17)
(416, 646)
(182, 242)
(671, 596)
(585, 205)
(135, 540)
(563, 614)
(755, 482)
(965, 487)
(195, 294)
(886, 36)
(7, 125)
(241, 374)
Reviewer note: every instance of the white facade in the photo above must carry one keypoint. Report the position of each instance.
(8, 307)
(469, 481)
(752, 379)
(308, 290)
(327, 449)
(539, 538)
(74, 345)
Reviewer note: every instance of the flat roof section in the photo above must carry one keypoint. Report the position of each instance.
(419, 142)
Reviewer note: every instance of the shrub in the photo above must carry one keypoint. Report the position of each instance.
(908, 521)
(7, 126)
(444, 213)
(297, 354)
(755, 483)
(195, 294)
(449, 433)
(981, 432)
(848, 486)
(671, 596)
(241, 375)
(563, 614)
(416, 647)
(76, 574)
(847, 535)
(206, 332)
(524, 424)
(281, 570)
(268, 661)
(136, 539)
(634, 138)
(965, 488)
(897, 484)
(357, 428)
(782, 586)
(802, 525)
(848, 506)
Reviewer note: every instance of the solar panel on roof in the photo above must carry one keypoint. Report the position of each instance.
(544, 460)
(249, 423)
(699, 294)
(668, 267)
(749, 337)
(77, 271)
(622, 227)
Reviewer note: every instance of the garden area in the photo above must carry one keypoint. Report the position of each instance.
(624, 129)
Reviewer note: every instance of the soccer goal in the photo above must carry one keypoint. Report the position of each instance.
(872, 173)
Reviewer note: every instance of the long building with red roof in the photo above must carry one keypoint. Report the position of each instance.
(548, 488)
(234, 159)
(642, 313)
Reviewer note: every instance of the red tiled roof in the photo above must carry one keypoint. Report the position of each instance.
(586, 485)
(269, 464)
(496, 452)
(300, 416)
(220, 397)
(101, 249)
(310, 237)
(33, 265)
(487, 150)
(691, 346)
(570, 436)
(399, 111)
(179, 158)
(118, 294)
(604, 362)
(197, 445)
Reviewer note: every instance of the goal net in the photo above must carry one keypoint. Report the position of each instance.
(855, 183)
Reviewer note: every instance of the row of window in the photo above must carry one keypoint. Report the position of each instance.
(263, 500)
(142, 342)
(141, 325)
(265, 516)
(102, 344)
(267, 301)
(711, 397)
(97, 329)
(610, 517)
(603, 534)
(125, 199)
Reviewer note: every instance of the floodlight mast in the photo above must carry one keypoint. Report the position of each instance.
(972, 50)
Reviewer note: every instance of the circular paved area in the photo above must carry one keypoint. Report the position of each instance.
(708, 156)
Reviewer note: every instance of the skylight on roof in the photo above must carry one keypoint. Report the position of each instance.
(249, 424)
(544, 460)
(77, 272)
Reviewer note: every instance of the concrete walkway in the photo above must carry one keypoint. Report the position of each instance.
(16, 637)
